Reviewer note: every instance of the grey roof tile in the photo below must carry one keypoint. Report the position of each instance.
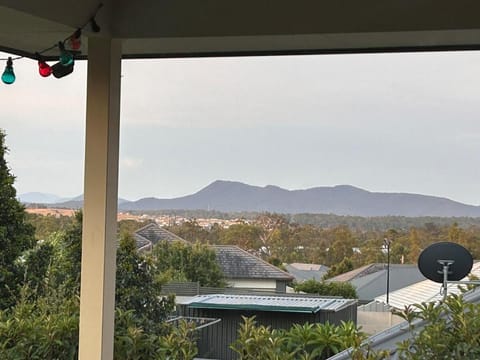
(151, 234)
(239, 264)
(303, 274)
(155, 233)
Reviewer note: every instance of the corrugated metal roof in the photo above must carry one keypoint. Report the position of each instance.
(372, 285)
(300, 304)
(423, 291)
(388, 339)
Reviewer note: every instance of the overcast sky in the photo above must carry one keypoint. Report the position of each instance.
(383, 122)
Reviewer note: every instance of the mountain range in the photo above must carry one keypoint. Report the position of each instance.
(231, 196)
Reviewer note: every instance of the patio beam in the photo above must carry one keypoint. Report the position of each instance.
(97, 292)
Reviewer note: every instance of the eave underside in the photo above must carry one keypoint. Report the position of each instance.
(192, 28)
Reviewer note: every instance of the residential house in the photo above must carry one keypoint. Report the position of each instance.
(241, 269)
(370, 280)
(422, 291)
(302, 272)
(389, 339)
(147, 236)
(244, 270)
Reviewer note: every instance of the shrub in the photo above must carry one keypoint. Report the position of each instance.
(345, 290)
(302, 342)
(451, 331)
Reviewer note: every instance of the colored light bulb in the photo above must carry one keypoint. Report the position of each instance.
(8, 76)
(65, 57)
(44, 69)
(75, 41)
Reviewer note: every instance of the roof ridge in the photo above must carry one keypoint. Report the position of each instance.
(265, 262)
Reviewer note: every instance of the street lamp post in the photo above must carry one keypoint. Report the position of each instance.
(387, 243)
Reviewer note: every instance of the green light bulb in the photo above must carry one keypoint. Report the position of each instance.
(66, 58)
(8, 76)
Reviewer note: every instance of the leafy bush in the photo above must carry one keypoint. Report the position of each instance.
(451, 331)
(133, 343)
(302, 342)
(182, 262)
(40, 328)
(46, 327)
(343, 289)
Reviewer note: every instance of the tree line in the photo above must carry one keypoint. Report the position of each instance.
(279, 240)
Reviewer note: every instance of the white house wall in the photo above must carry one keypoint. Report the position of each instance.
(253, 284)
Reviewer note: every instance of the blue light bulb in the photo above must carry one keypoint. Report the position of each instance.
(8, 76)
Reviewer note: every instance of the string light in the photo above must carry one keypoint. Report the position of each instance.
(75, 41)
(8, 76)
(66, 58)
(44, 69)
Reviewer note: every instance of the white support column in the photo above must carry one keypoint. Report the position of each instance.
(97, 292)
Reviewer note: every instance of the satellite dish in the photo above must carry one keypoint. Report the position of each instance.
(458, 259)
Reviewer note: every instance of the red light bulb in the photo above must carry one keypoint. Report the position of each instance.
(44, 69)
(75, 41)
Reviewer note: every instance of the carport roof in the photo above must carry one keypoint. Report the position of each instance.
(295, 304)
(184, 28)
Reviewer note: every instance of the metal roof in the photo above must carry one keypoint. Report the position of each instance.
(423, 291)
(296, 304)
(388, 339)
(372, 285)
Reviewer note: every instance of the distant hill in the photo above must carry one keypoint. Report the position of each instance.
(54, 200)
(39, 198)
(229, 196)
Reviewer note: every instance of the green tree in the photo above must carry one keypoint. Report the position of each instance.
(414, 246)
(66, 261)
(344, 266)
(343, 289)
(179, 261)
(47, 225)
(244, 235)
(136, 288)
(16, 235)
(342, 246)
(190, 231)
(36, 263)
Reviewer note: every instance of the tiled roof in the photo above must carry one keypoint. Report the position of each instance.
(299, 304)
(307, 267)
(303, 273)
(155, 233)
(359, 272)
(151, 234)
(239, 264)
